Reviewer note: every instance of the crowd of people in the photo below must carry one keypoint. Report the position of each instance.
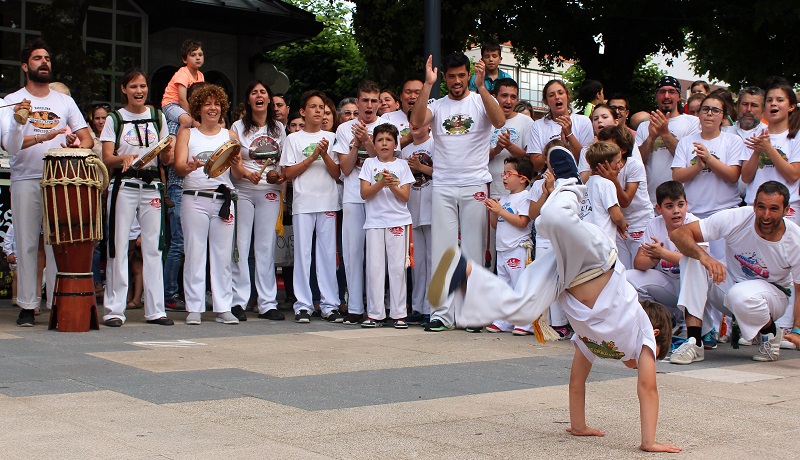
(563, 218)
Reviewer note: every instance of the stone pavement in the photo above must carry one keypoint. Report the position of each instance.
(281, 390)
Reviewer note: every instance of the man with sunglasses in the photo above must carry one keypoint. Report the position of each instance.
(658, 137)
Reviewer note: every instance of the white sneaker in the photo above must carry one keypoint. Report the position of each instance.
(745, 343)
(687, 353)
(785, 344)
(770, 347)
(227, 318)
(193, 319)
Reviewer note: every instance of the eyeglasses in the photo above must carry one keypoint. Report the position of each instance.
(671, 92)
(619, 108)
(350, 113)
(714, 110)
(509, 174)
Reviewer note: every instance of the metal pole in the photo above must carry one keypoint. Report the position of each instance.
(433, 34)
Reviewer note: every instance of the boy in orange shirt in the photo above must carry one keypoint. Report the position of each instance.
(174, 104)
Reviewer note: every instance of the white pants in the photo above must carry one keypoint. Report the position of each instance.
(145, 204)
(257, 213)
(510, 265)
(324, 223)
(203, 230)
(753, 302)
(353, 239)
(577, 247)
(458, 208)
(557, 316)
(386, 249)
(421, 271)
(627, 249)
(26, 209)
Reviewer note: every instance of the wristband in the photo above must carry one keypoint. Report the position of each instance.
(36, 138)
(570, 134)
(795, 330)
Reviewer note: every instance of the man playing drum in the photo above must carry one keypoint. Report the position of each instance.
(50, 113)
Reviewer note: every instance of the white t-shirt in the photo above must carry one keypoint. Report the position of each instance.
(747, 255)
(344, 139)
(509, 236)
(545, 130)
(384, 210)
(744, 133)
(789, 149)
(657, 229)
(314, 190)
(583, 164)
(518, 128)
(617, 327)
(640, 211)
(400, 120)
(461, 131)
(535, 192)
(707, 192)
(55, 111)
(129, 142)
(420, 200)
(259, 147)
(660, 160)
(202, 147)
(602, 196)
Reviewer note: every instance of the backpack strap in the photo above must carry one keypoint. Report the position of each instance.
(116, 118)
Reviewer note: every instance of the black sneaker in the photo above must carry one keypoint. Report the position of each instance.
(414, 318)
(273, 314)
(316, 314)
(436, 325)
(563, 164)
(239, 313)
(352, 319)
(334, 317)
(25, 318)
(174, 303)
(302, 317)
(474, 330)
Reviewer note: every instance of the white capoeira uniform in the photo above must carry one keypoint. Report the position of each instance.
(461, 131)
(759, 272)
(204, 229)
(54, 111)
(556, 316)
(257, 213)
(136, 199)
(353, 215)
(314, 206)
(388, 220)
(419, 204)
(577, 247)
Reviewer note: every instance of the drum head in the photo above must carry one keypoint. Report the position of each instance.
(145, 159)
(68, 153)
(219, 161)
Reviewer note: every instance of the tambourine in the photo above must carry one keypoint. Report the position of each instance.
(219, 162)
(145, 159)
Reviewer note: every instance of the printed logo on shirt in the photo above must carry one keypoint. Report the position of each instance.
(229, 220)
(764, 160)
(421, 179)
(264, 150)
(361, 154)
(379, 175)
(271, 196)
(330, 214)
(507, 207)
(752, 265)
(404, 130)
(605, 350)
(479, 196)
(203, 157)
(586, 207)
(512, 132)
(309, 150)
(669, 268)
(694, 161)
(44, 119)
(396, 231)
(147, 136)
(636, 236)
(458, 124)
(514, 263)
(156, 203)
(790, 212)
(659, 144)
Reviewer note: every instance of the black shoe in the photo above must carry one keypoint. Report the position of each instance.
(163, 321)
(25, 318)
(239, 313)
(352, 319)
(316, 314)
(273, 314)
(334, 317)
(474, 330)
(436, 325)
(302, 317)
(174, 303)
(113, 322)
(563, 163)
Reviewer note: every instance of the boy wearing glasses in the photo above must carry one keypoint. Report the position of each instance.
(658, 137)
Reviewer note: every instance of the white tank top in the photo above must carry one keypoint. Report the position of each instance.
(202, 147)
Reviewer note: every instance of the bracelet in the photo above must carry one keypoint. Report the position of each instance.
(36, 138)
(795, 330)
(570, 134)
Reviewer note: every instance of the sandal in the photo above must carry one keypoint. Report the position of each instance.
(134, 305)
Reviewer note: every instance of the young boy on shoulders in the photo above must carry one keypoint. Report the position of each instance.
(175, 103)
(491, 55)
(385, 188)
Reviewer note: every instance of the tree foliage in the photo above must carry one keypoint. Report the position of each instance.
(391, 33)
(743, 43)
(639, 92)
(331, 61)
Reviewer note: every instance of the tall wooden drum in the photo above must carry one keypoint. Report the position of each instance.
(72, 183)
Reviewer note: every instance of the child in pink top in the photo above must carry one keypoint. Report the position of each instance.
(174, 104)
